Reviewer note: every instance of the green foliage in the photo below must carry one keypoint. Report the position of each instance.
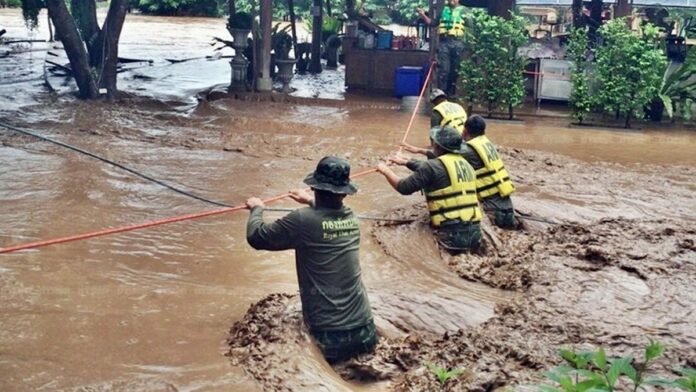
(30, 12)
(404, 11)
(678, 89)
(592, 371)
(10, 3)
(240, 20)
(179, 7)
(580, 99)
(281, 41)
(491, 71)
(629, 69)
(443, 375)
(688, 381)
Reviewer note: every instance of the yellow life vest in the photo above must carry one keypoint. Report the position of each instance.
(492, 178)
(457, 201)
(452, 22)
(453, 115)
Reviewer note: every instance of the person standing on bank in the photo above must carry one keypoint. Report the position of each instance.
(450, 47)
(326, 239)
(493, 184)
(449, 184)
(446, 113)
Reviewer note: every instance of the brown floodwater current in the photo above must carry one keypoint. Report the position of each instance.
(151, 309)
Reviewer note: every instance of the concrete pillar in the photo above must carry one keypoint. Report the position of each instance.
(265, 83)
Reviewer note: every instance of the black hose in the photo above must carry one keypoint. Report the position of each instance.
(120, 166)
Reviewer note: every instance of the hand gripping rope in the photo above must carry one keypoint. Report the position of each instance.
(204, 214)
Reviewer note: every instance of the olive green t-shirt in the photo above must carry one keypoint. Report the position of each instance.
(327, 244)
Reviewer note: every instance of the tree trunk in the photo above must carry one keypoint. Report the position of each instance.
(50, 27)
(109, 36)
(315, 63)
(231, 8)
(84, 12)
(577, 13)
(74, 48)
(350, 9)
(293, 27)
(502, 8)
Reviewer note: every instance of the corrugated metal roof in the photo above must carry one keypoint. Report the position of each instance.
(665, 3)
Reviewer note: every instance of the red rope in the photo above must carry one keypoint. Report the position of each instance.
(115, 230)
(415, 110)
(37, 244)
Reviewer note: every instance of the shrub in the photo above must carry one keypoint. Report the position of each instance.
(629, 69)
(491, 70)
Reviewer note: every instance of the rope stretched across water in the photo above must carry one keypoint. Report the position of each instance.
(122, 229)
(116, 164)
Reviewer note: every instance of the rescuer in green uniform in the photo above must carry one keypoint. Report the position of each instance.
(449, 185)
(326, 239)
(450, 47)
(446, 113)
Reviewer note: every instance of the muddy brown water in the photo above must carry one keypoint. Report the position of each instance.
(150, 310)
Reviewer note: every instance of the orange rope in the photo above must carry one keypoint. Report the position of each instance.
(415, 110)
(37, 244)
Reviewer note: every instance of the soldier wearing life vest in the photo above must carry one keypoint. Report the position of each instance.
(450, 47)
(493, 184)
(449, 185)
(446, 113)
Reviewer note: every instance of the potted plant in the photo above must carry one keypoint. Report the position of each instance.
(239, 25)
(678, 88)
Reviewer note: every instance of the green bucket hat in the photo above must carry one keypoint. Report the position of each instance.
(446, 137)
(332, 175)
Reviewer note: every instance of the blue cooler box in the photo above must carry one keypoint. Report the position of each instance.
(408, 81)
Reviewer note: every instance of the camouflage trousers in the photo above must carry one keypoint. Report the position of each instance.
(459, 237)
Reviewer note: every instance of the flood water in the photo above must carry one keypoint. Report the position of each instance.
(150, 309)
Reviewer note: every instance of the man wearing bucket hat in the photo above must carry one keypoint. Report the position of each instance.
(326, 239)
(446, 113)
(449, 184)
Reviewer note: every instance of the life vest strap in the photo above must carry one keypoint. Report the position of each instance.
(489, 172)
(443, 211)
(449, 195)
(492, 185)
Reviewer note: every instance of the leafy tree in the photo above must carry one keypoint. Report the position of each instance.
(491, 71)
(580, 99)
(92, 51)
(10, 3)
(678, 88)
(629, 69)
